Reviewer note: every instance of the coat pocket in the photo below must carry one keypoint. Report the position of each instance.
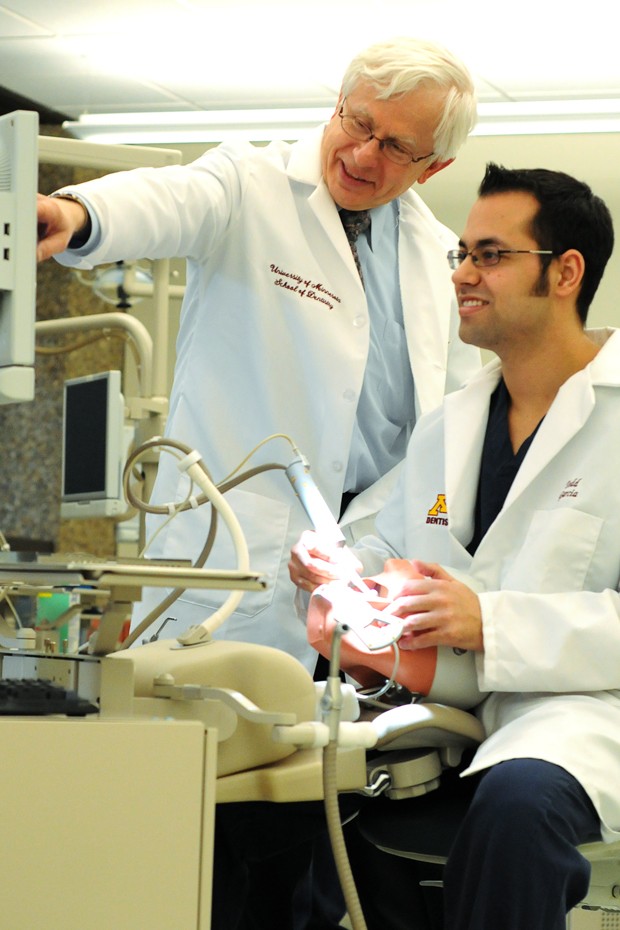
(556, 553)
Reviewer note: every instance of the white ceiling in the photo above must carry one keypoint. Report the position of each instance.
(80, 57)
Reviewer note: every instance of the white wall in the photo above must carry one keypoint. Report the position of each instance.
(593, 158)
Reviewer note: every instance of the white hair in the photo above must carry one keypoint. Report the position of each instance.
(403, 64)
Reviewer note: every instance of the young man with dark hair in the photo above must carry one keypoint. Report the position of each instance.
(525, 569)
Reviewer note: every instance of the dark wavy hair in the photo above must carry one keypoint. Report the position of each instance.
(570, 216)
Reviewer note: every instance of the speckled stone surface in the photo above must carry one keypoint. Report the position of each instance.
(30, 434)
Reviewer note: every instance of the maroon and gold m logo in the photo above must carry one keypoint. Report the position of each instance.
(439, 507)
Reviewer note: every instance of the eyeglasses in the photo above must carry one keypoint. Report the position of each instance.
(357, 129)
(485, 256)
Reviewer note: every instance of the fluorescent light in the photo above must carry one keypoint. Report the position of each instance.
(211, 126)
(198, 125)
(545, 117)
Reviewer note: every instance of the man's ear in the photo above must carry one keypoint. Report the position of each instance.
(571, 271)
(433, 169)
(339, 103)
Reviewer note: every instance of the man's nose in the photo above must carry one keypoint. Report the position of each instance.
(368, 153)
(467, 271)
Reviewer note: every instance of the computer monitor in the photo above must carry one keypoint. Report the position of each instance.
(93, 446)
(18, 239)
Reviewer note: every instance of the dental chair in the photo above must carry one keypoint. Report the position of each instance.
(417, 741)
(416, 744)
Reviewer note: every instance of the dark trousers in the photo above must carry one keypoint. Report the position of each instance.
(262, 859)
(513, 862)
(319, 902)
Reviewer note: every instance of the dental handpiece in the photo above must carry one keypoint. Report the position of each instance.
(321, 517)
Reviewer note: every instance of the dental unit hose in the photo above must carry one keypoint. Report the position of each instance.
(202, 632)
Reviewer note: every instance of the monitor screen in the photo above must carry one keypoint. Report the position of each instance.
(93, 446)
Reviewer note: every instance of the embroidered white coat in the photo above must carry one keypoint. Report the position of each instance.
(273, 339)
(547, 571)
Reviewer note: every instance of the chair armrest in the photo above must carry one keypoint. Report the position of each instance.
(416, 726)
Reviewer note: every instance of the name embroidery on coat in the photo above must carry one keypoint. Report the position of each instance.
(303, 287)
(571, 488)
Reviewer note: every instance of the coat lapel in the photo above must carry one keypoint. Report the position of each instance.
(569, 411)
(304, 167)
(465, 421)
(425, 286)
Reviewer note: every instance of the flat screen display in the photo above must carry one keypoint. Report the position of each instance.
(92, 453)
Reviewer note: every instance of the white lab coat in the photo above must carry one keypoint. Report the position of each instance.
(547, 571)
(273, 339)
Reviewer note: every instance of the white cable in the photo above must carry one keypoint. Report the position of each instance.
(204, 630)
(332, 708)
(172, 512)
(192, 464)
(263, 442)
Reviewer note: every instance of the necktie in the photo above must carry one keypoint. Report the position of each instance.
(354, 223)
